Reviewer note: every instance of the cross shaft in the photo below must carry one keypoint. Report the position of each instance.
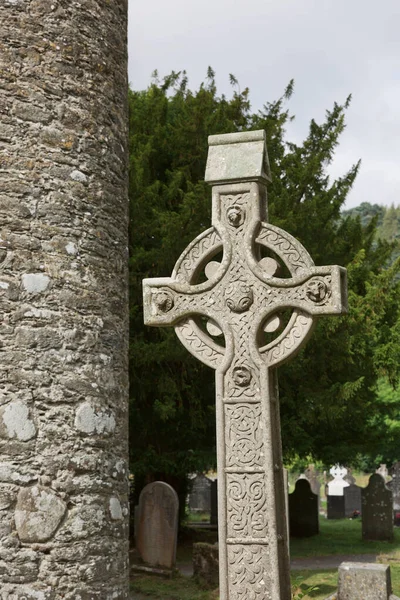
(241, 298)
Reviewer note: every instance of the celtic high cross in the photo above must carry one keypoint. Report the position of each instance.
(226, 313)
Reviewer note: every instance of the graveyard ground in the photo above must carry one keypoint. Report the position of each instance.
(339, 539)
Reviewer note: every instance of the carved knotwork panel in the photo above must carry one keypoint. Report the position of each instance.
(249, 572)
(246, 505)
(244, 436)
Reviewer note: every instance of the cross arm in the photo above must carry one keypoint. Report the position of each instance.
(319, 291)
(159, 302)
(166, 302)
(327, 289)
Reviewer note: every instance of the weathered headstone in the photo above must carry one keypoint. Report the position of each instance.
(352, 500)
(64, 300)
(313, 477)
(303, 510)
(394, 485)
(241, 298)
(157, 527)
(363, 581)
(214, 502)
(383, 470)
(200, 494)
(336, 486)
(349, 477)
(377, 510)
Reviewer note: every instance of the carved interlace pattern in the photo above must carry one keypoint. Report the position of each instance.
(249, 568)
(287, 248)
(195, 341)
(276, 353)
(244, 436)
(205, 245)
(247, 498)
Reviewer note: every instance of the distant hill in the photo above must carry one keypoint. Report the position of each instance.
(388, 219)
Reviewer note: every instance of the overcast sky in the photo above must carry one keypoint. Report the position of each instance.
(330, 47)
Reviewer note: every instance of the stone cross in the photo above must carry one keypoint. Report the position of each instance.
(337, 485)
(237, 300)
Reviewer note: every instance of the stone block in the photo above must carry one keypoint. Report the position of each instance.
(38, 513)
(363, 581)
(206, 564)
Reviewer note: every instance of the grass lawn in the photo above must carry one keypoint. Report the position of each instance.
(181, 588)
(198, 517)
(324, 583)
(341, 536)
(177, 588)
(336, 537)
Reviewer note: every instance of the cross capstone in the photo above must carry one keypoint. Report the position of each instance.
(244, 315)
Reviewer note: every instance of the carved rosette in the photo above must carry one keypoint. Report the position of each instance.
(239, 296)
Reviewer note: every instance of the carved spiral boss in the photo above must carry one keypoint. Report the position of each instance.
(238, 298)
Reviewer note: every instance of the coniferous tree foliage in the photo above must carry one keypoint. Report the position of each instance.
(328, 392)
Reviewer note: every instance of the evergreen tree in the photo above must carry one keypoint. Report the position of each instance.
(390, 229)
(328, 397)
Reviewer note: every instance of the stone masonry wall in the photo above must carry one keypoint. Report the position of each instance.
(63, 300)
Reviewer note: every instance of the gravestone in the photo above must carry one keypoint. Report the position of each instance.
(200, 494)
(383, 470)
(64, 496)
(335, 507)
(352, 500)
(394, 485)
(303, 510)
(377, 510)
(241, 298)
(214, 502)
(349, 477)
(313, 477)
(157, 527)
(335, 496)
(337, 485)
(363, 581)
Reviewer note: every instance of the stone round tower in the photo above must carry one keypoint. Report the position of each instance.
(63, 300)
